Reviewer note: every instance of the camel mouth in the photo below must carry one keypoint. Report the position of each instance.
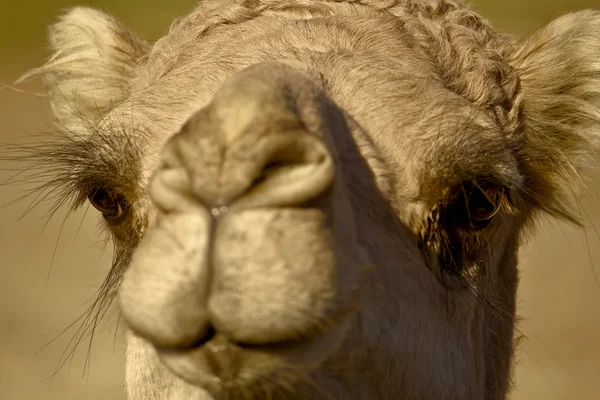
(223, 367)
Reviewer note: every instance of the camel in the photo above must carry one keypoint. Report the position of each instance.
(320, 199)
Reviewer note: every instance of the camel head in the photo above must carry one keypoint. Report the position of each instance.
(320, 199)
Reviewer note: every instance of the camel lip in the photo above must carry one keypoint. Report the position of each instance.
(213, 339)
(218, 365)
(219, 343)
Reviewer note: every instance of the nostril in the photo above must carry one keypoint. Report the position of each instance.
(281, 167)
(286, 169)
(272, 166)
(269, 170)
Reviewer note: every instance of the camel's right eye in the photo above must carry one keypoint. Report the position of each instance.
(474, 207)
(107, 202)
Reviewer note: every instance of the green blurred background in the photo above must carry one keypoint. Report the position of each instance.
(24, 22)
(47, 282)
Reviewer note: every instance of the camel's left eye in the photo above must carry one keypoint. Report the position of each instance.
(107, 202)
(475, 206)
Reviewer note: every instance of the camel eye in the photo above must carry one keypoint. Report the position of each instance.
(107, 202)
(474, 206)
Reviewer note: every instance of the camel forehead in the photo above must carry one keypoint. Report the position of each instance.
(209, 36)
(199, 61)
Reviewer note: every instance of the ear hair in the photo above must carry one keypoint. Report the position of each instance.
(559, 70)
(93, 59)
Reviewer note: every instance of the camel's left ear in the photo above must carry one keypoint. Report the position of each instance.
(559, 70)
(93, 59)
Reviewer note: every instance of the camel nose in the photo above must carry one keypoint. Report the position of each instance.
(248, 148)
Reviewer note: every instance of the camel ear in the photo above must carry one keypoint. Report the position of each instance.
(93, 60)
(559, 70)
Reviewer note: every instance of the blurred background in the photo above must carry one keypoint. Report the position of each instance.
(50, 272)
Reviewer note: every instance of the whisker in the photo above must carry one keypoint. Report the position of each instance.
(62, 225)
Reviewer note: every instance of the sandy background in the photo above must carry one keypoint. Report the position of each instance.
(48, 274)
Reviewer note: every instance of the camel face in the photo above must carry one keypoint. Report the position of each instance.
(320, 200)
(264, 221)
(259, 239)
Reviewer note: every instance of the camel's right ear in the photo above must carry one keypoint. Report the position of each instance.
(559, 71)
(92, 62)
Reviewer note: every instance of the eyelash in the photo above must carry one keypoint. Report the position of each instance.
(450, 232)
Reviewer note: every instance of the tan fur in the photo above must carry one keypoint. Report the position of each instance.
(286, 171)
(89, 71)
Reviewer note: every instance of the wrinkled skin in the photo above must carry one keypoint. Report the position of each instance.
(321, 200)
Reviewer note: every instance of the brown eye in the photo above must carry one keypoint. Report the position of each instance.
(474, 207)
(107, 202)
